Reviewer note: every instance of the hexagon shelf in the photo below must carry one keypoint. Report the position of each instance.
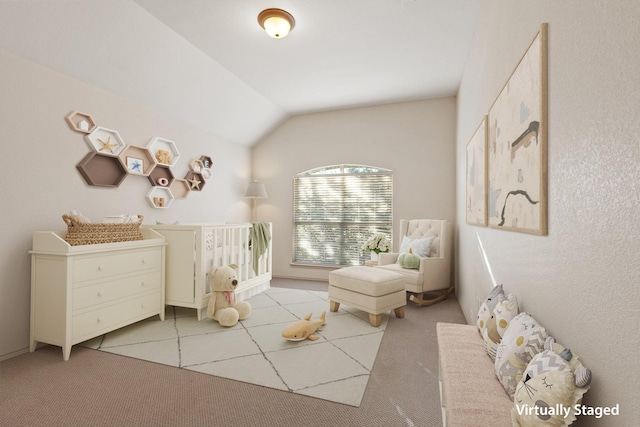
(160, 197)
(80, 122)
(161, 176)
(180, 188)
(195, 180)
(105, 141)
(207, 163)
(102, 170)
(196, 165)
(165, 152)
(137, 160)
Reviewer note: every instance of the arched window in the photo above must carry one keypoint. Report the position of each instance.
(336, 209)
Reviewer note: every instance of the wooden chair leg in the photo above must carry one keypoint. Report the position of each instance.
(419, 298)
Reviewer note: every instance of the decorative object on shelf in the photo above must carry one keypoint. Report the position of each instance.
(196, 181)
(135, 165)
(139, 153)
(196, 166)
(375, 244)
(163, 157)
(105, 141)
(207, 163)
(163, 182)
(102, 170)
(255, 190)
(477, 176)
(160, 197)
(159, 172)
(164, 150)
(80, 122)
(276, 22)
(206, 174)
(81, 233)
(517, 153)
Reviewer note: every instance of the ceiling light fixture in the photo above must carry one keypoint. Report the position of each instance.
(276, 22)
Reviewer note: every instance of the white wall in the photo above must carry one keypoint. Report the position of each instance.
(580, 281)
(40, 180)
(414, 139)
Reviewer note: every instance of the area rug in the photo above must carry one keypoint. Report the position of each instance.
(335, 367)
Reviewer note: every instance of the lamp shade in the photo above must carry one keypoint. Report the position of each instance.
(256, 190)
(276, 22)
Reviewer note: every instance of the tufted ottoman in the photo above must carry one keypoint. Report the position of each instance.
(369, 289)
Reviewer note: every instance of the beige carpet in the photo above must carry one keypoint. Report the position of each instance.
(100, 389)
(335, 367)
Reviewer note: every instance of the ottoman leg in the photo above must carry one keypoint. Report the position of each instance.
(375, 319)
(399, 312)
(334, 306)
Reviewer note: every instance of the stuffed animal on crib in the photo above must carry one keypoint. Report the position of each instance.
(222, 300)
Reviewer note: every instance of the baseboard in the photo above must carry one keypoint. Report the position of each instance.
(14, 354)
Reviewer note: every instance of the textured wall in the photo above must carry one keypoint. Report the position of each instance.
(414, 139)
(40, 180)
(580, 281)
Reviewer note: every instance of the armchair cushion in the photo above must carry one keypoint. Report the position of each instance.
(420, 247)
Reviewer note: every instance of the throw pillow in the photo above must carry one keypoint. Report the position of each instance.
(506, 309)
(420, 247)
(486, 308)
(523, 339)
(553, 383)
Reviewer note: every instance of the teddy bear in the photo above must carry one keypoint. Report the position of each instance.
(222, 300)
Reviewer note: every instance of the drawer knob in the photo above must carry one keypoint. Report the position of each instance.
(100, 292)
(143, 261)
(142, 283)
(100, 319)
(99, 268)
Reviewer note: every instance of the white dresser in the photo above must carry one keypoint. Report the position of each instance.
(81, 292)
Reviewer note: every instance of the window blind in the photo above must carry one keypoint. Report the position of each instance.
(336, 208)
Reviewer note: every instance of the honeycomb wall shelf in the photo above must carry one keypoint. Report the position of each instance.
(105, 141)
(80, 122)
(195, 180)
(102, 170)
(132, 156)
(159, 173)
(160, 197)
(180, 188)
(156, 144)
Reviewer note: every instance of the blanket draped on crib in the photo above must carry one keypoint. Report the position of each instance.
(259, 237)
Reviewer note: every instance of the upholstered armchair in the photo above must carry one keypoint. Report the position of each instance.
(434, 272)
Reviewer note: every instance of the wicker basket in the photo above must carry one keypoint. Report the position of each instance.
(82, 233)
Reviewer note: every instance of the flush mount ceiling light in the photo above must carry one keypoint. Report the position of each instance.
(276, 22)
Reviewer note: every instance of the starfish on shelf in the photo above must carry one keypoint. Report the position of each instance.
(195, 183)
(107, 145)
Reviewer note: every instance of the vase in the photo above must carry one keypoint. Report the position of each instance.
(374, 256)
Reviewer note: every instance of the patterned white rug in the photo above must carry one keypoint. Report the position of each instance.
(335, 367)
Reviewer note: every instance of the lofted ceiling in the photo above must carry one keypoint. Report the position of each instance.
(209, 63)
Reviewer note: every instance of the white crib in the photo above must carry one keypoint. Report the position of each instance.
(192, 249)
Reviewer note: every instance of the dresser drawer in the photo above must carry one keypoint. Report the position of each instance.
(105, 319)
(112, 290)
(93, 267)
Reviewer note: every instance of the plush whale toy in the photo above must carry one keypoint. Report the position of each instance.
(304, 329)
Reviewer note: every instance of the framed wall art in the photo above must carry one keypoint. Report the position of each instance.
(517, 149)
(477, 176)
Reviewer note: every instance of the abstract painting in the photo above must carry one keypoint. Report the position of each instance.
(477, 176)
(517, 152)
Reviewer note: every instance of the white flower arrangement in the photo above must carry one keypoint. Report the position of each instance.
(377, 243)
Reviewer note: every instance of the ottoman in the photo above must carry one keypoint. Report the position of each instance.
(369, 289)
